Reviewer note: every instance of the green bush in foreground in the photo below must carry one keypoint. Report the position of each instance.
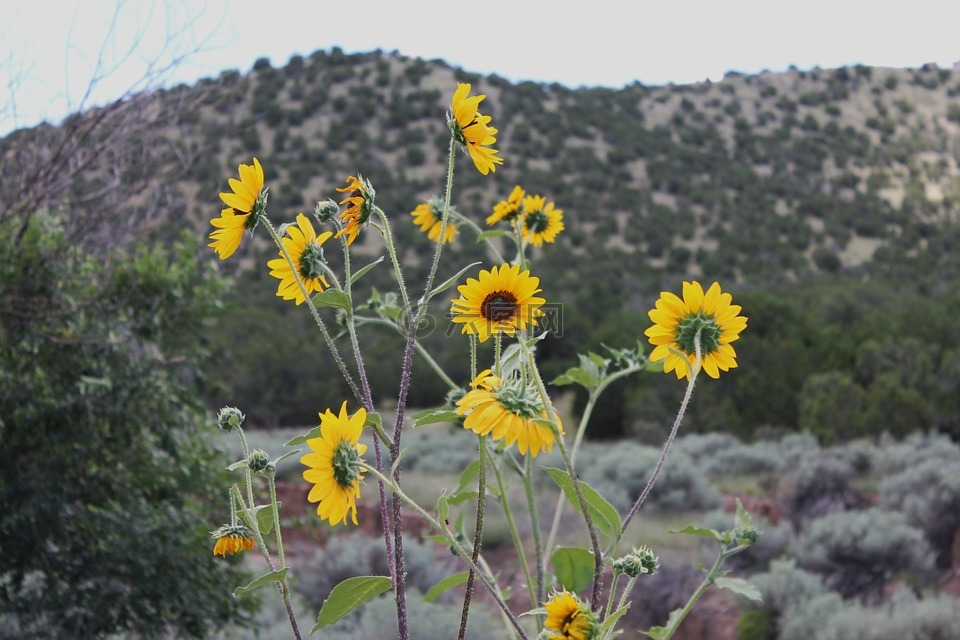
(106, 481)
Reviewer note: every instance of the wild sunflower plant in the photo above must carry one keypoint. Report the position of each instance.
(506, 404)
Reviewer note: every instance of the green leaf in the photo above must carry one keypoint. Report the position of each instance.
(237, 465)
(742, 520)
(313, 433)
(700, 531)
(574, 567)
(284, 457)
(611, 619)
(493, 233)
(445, 585)
(460, 497)
(373, 420)
(265, 517)
(347, 596)
(740, 587)
(432, 416)
(267, 578)
(451, 281)
(471, 471)
(605, 517)
(659, 633)
(363, 272)
(332, 298)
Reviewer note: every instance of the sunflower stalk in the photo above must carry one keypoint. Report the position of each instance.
(316, 314)
(588, 520)
(282, 585)
(592, 400)
(504, 500)
(673, 434)
(451, 539)
(477, 534)
(368, 396)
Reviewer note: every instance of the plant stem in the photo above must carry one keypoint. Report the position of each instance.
(368, 397)
(477, 534)
(587, 519)
(527, 479)
(262, 545)
(514, 534)
(578, 439)
(447, 380)
(405, 377)
(247, 475)
(673, 434)
(491, 587)
(613, 591)
(470, 223)
(316, 314)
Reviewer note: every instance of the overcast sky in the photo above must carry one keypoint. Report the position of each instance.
(48, 49)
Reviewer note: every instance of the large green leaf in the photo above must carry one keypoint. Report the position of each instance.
(573, 567)
(347, 596)
(332, 298)
(605, 517)
(740, 587)
(444, 585)
(267, 578)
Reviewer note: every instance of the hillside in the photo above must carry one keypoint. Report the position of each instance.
(770, 183)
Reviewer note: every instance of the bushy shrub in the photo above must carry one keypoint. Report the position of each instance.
(905, 617)
(451, 449)
(757, 457)
(817, 484)
(621, 473)
(858, 553)
(929, 495)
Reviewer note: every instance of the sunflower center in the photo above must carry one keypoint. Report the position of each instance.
(499, 306)
(537, 221)
(311, 261)
(709, 333)
(346, 464)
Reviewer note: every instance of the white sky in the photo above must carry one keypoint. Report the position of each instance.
(48, 48)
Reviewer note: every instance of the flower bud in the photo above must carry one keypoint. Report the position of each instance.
(258, 460)
(326, 211)
(229, 419)
(640, 561)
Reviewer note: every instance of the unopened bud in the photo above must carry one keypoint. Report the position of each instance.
(229, 419)
(258, 460)
(639, 562)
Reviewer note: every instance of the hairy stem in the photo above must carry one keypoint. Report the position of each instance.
(477, 534)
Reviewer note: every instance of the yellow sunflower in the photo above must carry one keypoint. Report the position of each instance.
(508, 209)
(236, 218)
(472, 129)
(506, 410)
(677, 322)
(569, 618)
(359, 201)
(232, 539)
(502, 300)
(541, 221)
(428, 216)
(305, 248)
(334, 465)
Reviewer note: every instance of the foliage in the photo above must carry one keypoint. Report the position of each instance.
(107, 480)
(859, 552)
